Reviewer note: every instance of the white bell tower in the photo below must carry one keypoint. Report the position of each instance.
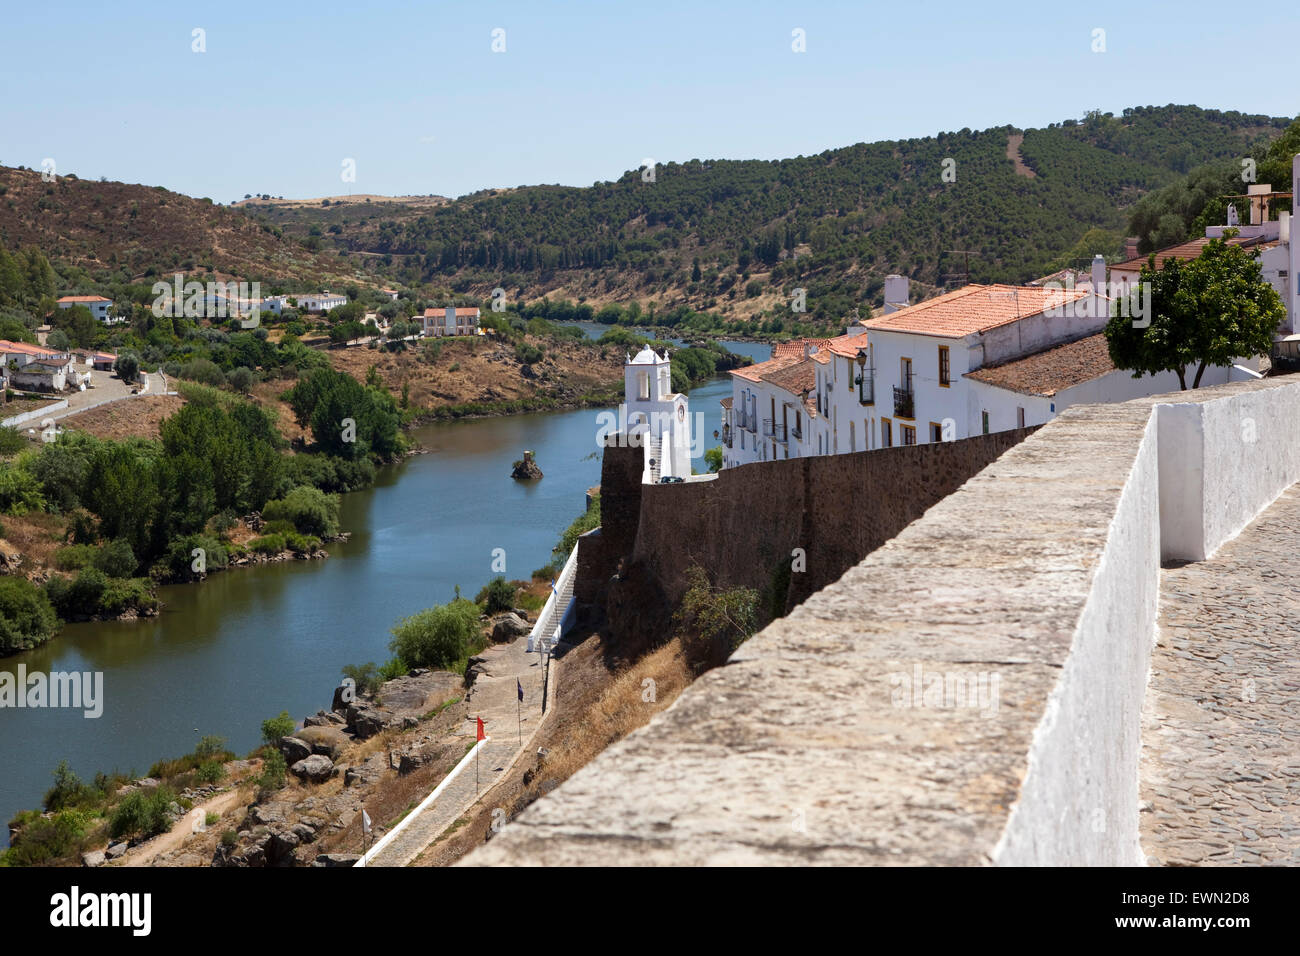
(660, 417)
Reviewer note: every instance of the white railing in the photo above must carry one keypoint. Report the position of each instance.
(551, 621)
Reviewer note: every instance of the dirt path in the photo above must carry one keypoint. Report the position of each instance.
(1013, 153)
(144, 854)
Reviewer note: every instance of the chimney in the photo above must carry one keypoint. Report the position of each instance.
(1131, 247)
(896, 293)
(1100, 306)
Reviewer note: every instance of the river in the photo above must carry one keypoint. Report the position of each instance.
(245, 644)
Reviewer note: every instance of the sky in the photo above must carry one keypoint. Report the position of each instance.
(413, 99)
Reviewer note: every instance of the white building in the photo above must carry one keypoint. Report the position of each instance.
(772, 414)
(658, 416)
(318, 301)
(97, 304)
(42, 369)
(453, 320)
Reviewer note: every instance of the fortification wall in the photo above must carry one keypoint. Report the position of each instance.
(967, 694)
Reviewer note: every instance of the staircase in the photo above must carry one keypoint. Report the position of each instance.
(656, 455)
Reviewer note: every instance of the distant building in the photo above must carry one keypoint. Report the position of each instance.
(97, 304)
(319, 301)
(452, 320)
(391, 293)
(33, 367)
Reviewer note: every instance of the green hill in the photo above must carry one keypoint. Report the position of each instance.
(737, 236)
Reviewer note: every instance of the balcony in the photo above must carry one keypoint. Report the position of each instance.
(903, 402)
(866, 390)
(777, 430)
(726, 435)
(796, 433)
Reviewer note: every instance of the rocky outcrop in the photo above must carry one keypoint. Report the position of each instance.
(526, 469)
(316, 768)
(293, 749)
(509, 626)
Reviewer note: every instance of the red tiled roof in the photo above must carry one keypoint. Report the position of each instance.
(973, 308)
(25, 349)
(442, 313)
(847, 345)
(725, 402)
(755, 372)
(1184, 250)
(797, 347)
(84, 298)
(797, 378)
(1050, 371)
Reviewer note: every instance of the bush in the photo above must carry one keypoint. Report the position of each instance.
(46, 840)
(229, 838)
(68, 790)
(20, 492)
(268, 544)
(526, 354)
(364, 676)
(116, 559)
(142, 813)
(240, 379)
(11, 441)
(438, 637)
(127, 366)
(310, 509)
(27, 617)
(273, 774)
(122, 594)
(211, 746)
(275, 729)
(74, 557)
(210, 771)
(497, 595)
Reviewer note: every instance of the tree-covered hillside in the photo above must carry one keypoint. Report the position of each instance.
(738, 235)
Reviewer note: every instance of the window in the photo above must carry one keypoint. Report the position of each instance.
(943, 366)
(909, 435)
(643, 386)
(984, 416)
(1020, 418)
(936, 432)
(886, 433)
(905, 374)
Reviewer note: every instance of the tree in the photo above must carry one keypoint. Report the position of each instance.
(127, 366)
(1210, 311)
(438, 637)
(27, 618)
(275, 729)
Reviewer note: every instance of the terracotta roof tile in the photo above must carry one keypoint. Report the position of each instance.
(973, 308)
(84, 298)
(798, 378)
(1184, 250)
(1050, 371)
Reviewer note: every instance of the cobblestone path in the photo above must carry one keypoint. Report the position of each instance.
(1220, 771)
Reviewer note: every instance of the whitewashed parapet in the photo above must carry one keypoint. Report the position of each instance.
(970, 693)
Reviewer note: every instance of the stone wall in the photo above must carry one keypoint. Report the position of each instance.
(968, 694)
(744, 526)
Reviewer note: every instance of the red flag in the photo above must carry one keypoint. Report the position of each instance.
(481, 734)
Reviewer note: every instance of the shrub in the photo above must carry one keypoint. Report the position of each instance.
(20, 492)
(268, 544)
(210, 771)
(272, 775)
(116, 559)
(211, 746)
(68, 790)
(301, 543)
(726, 618)
(438, 637)
(240, 379)
(142, 813)
(46, 840)
(310, 509)
(11, 441)
(74, 557)
(229, 838)
(527, 354)
(83, 593)
(497, 595)
(364, 676)
(27, 617)
(275, 729)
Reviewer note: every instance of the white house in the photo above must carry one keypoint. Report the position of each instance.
(97, 304)
(453, 320)
(772, 414)
(34, 367)
(319, 301)
(658, 416)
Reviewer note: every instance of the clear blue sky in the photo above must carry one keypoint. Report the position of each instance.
(285, 92)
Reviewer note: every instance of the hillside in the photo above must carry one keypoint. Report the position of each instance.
(115, 231)
(738, 235)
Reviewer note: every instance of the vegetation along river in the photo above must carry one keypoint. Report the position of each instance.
(245, 644)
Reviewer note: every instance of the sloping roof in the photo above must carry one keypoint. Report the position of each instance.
(1184, 250)
(755, 372)
(84, 298)
(797, 347)
(725, 402)
(847, 345)
(460, 310)
(797, 378)
(36, 350)
(1048, 372)
(972, 309)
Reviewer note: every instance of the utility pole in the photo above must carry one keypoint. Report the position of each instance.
(966, 254)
